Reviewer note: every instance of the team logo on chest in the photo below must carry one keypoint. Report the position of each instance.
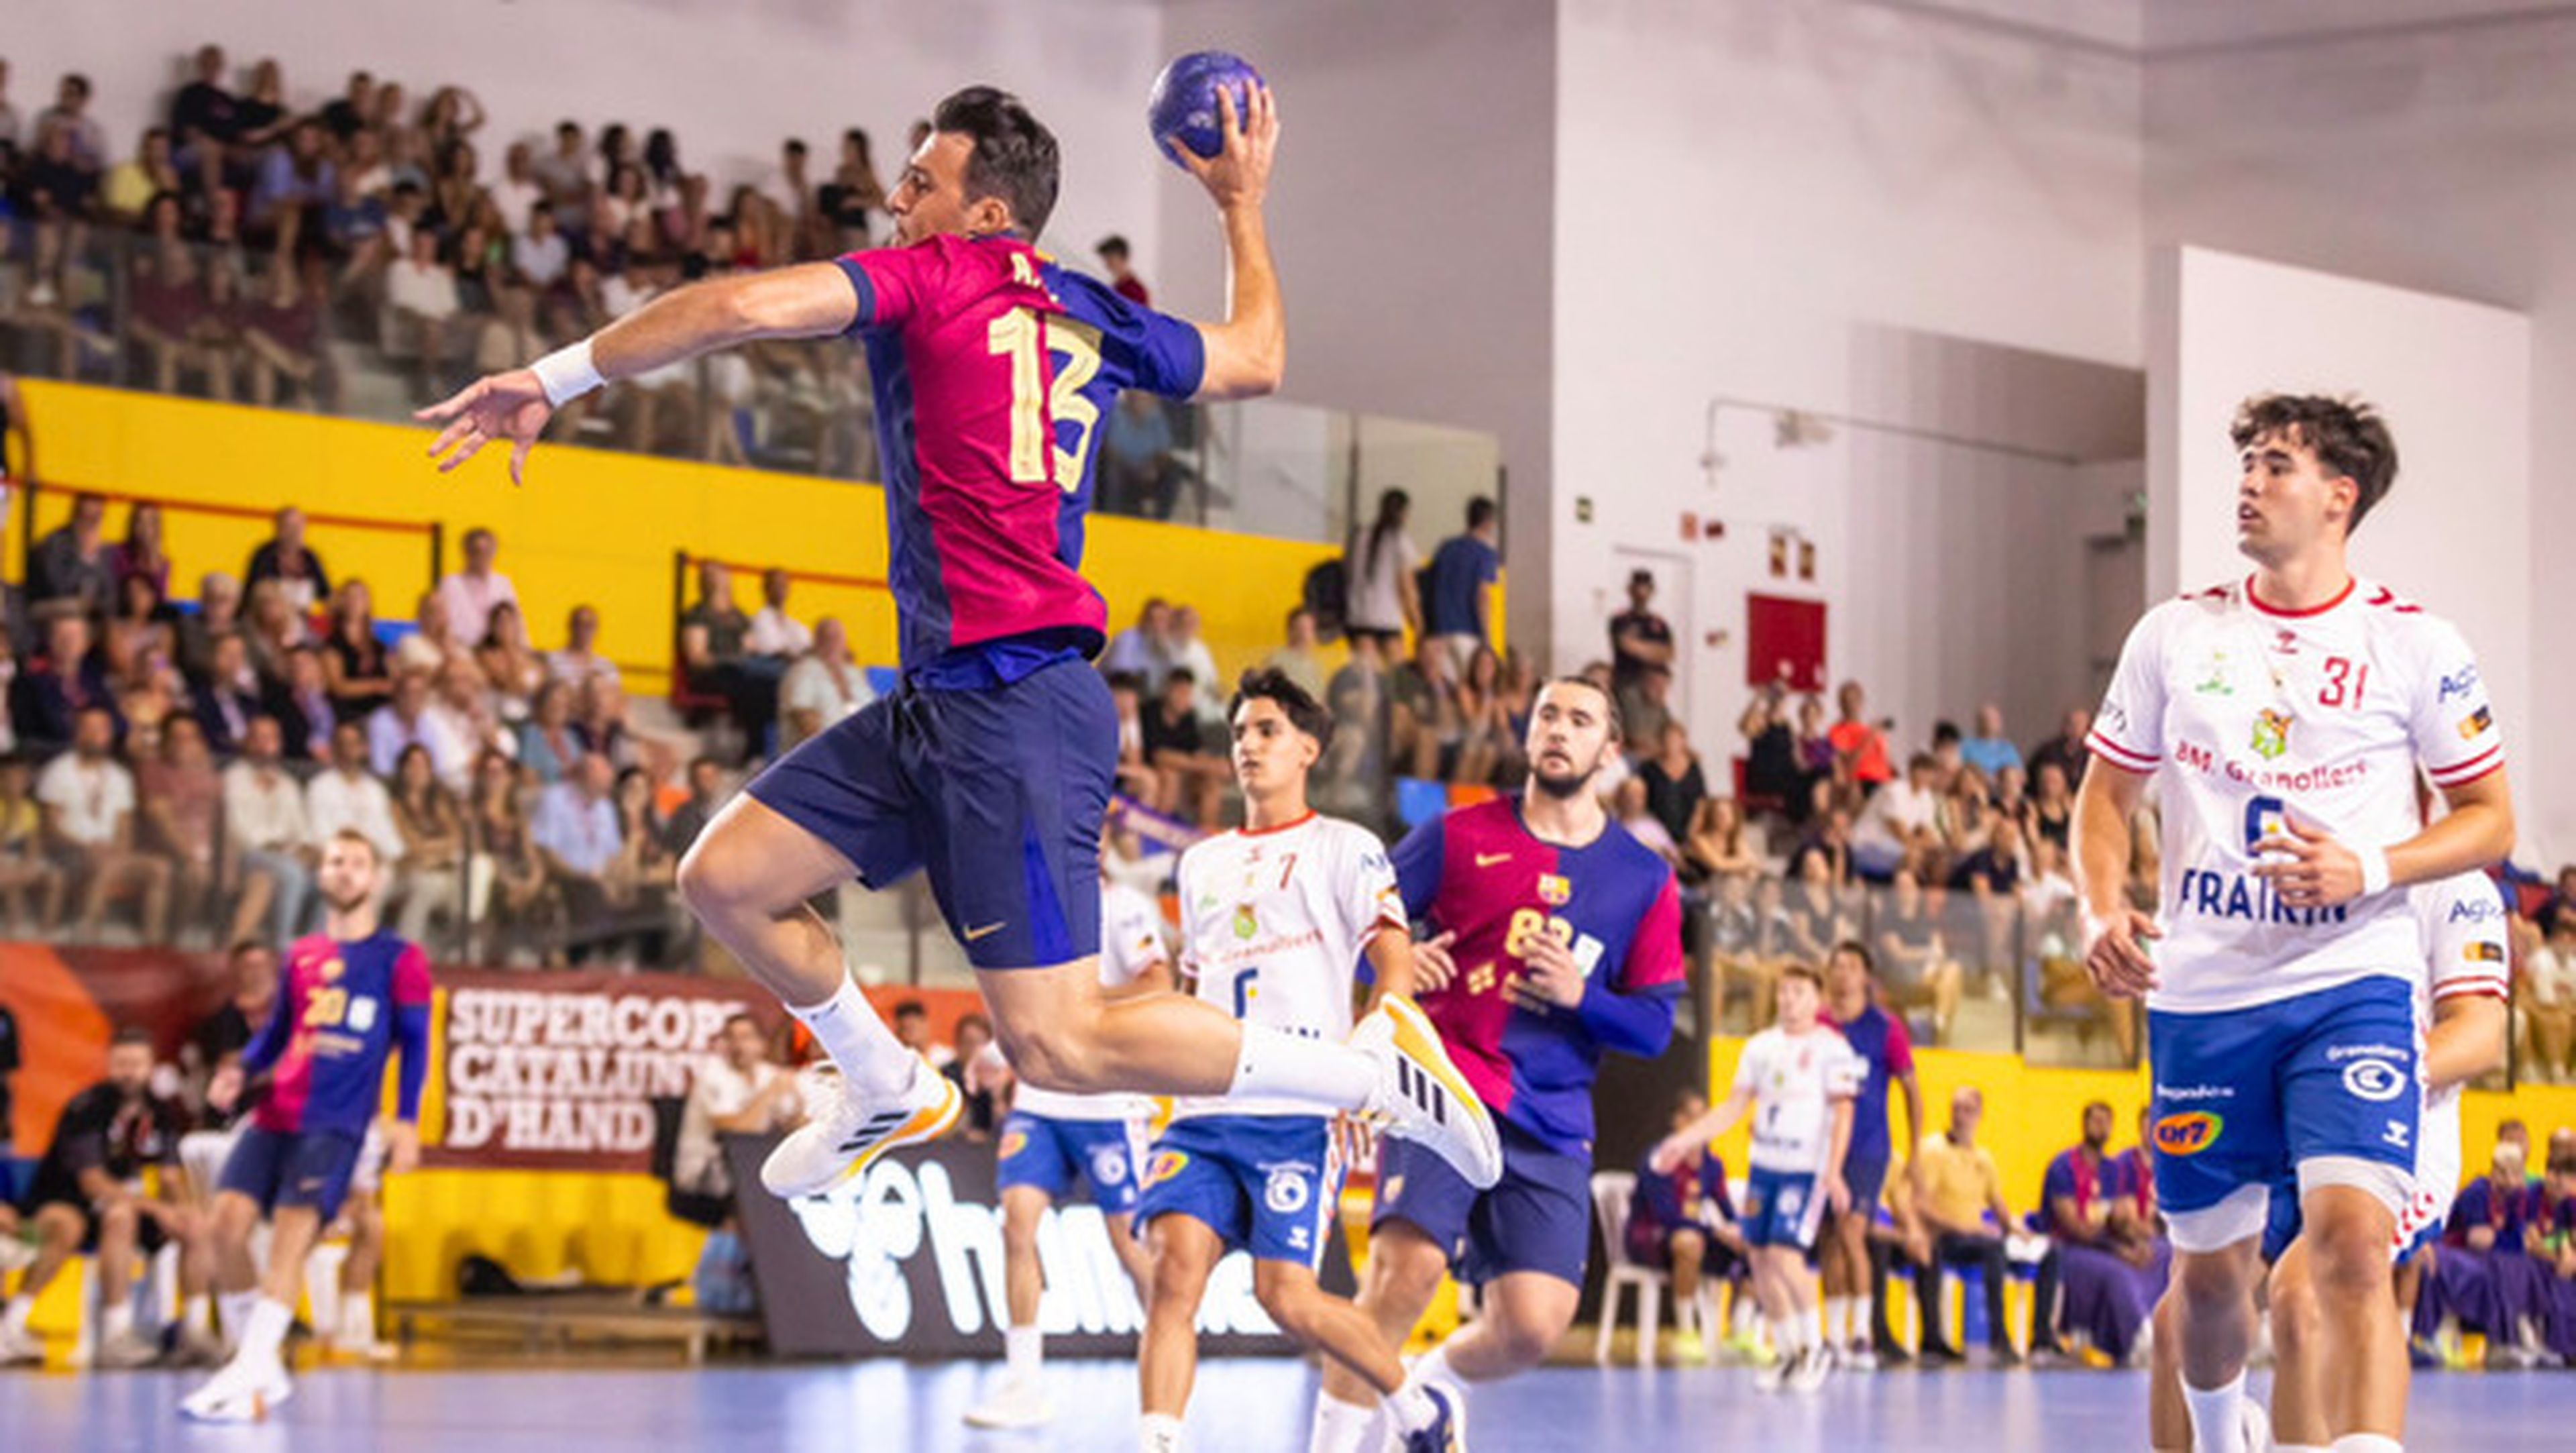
(1246, 925)
(1555, 890)
(2271, 733)
(2216, 683)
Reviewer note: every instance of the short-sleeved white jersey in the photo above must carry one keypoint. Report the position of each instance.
(1131, 944)
(1273, 926)
(2462, 919)
(1794, 1080)
(2252, 718)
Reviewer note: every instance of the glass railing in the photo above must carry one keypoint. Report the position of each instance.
(371, 337)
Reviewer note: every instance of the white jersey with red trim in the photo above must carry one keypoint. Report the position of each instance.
(2462, 920)
(2252, 719)
(1273, 925)
(1131, 945)
(1794, 1080)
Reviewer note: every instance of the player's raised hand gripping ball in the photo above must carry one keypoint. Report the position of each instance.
(1183, 110)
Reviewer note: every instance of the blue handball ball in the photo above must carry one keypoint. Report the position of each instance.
(1184, 101)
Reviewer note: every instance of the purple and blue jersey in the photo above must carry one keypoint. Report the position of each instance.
(1880, 1039)
(1478, 872)
(340, 1010)
(993, 369)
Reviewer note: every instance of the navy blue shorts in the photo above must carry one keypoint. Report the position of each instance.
(300, 1168)
(1266, 1184)
(1782, 1208)
(1867, 1180)
(1538, 1218)
(2244, 1096)
(999, 792)
(1049, 1154)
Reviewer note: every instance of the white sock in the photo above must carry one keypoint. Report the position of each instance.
(117, 1320)
(1023, 1351)
(198, 1312)
(1326, 1075)
(2367, 1443)
(2215, 1421)
(13, 1322)
(1411, 1407)
(357, 1318)
(1341, 1427)
(1784, 1337)
(848, 1028)
(1159, 1433)
(235, 1307)
(266, 1332)
(1837, 1321)
(1864, 1330)
(1433, 1366)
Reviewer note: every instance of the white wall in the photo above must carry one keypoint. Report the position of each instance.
(731, 81)
(1410, 216)
(1838, 207)
(2438, 160)
(2453, 381)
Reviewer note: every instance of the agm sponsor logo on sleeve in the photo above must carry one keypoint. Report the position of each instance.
(2460, 682)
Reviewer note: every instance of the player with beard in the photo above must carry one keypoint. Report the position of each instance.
(1556, 939)
(346, 997)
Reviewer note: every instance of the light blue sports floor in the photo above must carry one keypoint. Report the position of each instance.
(1251, 1405)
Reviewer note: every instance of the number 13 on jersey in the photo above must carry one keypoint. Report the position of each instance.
(1035, 403)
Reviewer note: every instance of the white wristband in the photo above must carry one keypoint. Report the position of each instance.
(567, 373)
(2374, 870)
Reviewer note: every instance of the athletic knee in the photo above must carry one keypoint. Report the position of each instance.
(717, 880)
(2208, 1283)
(1521, 1340)
(2295, 1317)
(2348, 1255)
(1057, 1055)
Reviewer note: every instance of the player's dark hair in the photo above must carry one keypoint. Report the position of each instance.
(1014, 156)
(1479, 511)
(910, 1007)
(743, 1016)
(2102, 1105)
(1944, 733)
(1609, 702)
(2349, 437)
(1112, 245)
(1921, 762)
(1303, 711)
(1860, 951)
(130, 1034)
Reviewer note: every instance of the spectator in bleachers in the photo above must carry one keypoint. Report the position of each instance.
(690, 818)
(181, 800)
(1959, 1194)
(88, 800)
(643, 879)
(1143, 650)
(73, 567)
(1817, 761)
(432, 825)
(1297, 657)
(577, 836)
(741, 1091)
(218, 613)
(1136, 776)
(579, 660)
(130, 185)
(228, 696)
(1478, 738)
(1920, 970)
(1774, 780)
(408, 718)
(599, 717)
(509, 662)
(56, 687)
(10, 133)
(352, 110)
(90, 1194)
(1818, 913)
(1684, 1223)
(269, 840)
(25, 866)
(1672, 782)
(912, 1026)
(774, 633)
(1458, 591)
(1898, 829)
(205, 119)
(355, 665)
(823, 687)
(982, 1076)
(2485, 1275)
(521, 897)
(1630, 807)
(303, 707)
(1860, 746)
(470, 710)
(1189, 651)
(422, 305)
(295, 182)
(2066, 750)
(287, 559)
(70, 115)
(548, 742)
(1718, 845)
(1990, 751)
(539, 253)
(1194, 775)
(2109, 1263)
(565, 172)
(1639, 638)
(715, 650)
(1119, 264)
(1383, 601)
(141, 554)
(2052, 803)
(1828, 836)
(350, 797)
(1647, 709)
(1138, 475)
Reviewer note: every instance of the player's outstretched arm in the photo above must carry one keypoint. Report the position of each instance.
(1684, 1145)
(805, 301)
(2467, 1040)
(1247, 353)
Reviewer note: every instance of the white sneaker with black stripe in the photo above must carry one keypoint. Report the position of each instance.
(1421, 1096)
(843, 1132)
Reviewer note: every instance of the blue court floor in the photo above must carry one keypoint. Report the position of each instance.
(1249, 1406)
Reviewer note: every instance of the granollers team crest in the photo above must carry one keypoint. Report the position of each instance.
(2271, 734)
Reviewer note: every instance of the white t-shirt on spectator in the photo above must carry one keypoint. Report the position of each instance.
(2550, 975)
(540, 260)
(469, 604)
(1896, 811)
(716, 1091)
(513, 199)
(427, 289)
(334, 801)
(451, 755)
(577, 667)
(774, 633)
(88, 798)
(263, 817)
(830, 692)
(1376, 601)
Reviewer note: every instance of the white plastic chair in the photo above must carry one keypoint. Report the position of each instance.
(1613, 1191)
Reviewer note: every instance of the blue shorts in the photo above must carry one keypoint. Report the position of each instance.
(2243, 1097)
(293, 1168)
(1266, 1184)
(1868, 1181)
(2286, 1219)
(1538, 1218)
(1782, 1208)
(998, 791)
(1049, 1154)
